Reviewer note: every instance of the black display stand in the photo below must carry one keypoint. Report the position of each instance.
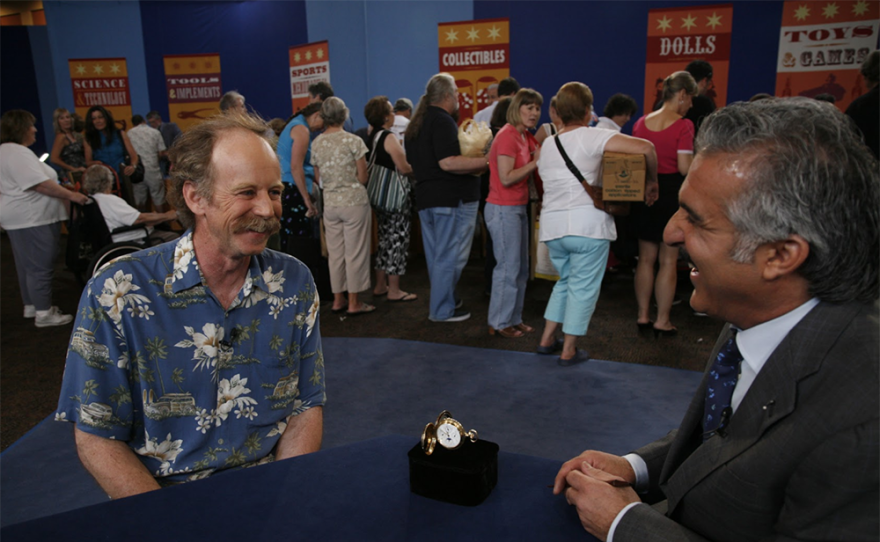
(464, 476)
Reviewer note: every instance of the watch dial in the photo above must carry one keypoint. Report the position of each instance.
(448, 436)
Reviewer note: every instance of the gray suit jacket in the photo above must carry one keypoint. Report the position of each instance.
(799, 459)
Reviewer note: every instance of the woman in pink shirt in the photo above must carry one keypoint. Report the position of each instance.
(512, 160)
(673, 138)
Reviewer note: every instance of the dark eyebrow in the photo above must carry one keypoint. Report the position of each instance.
(691, 212)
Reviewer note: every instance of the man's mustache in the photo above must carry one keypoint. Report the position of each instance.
(257, 224)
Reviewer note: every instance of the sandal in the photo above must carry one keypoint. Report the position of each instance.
(524, 327)
(509, 332)
(404, 298)
(365, 308)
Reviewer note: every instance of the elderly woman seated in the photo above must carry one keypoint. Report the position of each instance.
(98, 183)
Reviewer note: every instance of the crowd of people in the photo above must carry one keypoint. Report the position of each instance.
(743, 189)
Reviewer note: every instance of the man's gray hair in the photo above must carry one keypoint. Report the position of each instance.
(439, 87)
(808, 173)
(97, 179)
(333, 111)
(230, 100)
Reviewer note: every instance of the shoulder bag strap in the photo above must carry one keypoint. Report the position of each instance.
(373, 150)
(594, 194)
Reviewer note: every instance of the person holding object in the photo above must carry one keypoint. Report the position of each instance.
(32, 208)
(447, 193)
(202, 354)
(673, 137)
(577, 232)
(513, 158)
(781, 439)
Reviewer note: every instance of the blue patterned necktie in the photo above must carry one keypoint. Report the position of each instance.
(719, 390)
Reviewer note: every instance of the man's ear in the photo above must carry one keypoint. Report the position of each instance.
(193, 199)
(785, 257)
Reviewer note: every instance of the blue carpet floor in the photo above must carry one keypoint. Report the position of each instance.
(376, 387)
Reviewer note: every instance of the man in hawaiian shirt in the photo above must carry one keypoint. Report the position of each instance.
(204, 353)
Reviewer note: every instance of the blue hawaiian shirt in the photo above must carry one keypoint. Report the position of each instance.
(154, 360)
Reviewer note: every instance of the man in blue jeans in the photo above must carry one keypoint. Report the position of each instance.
(447, 193)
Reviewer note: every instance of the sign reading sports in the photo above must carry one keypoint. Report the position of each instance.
(476, 54)
(104, 82)
(194, 87)
(309, 64)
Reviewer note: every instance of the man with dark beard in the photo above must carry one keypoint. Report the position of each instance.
(178, 349)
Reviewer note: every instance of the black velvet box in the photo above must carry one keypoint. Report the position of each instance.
(464, 476)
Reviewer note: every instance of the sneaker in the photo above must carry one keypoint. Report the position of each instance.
(460, 302)
(52, 317)
(457, 316)
(30, 311)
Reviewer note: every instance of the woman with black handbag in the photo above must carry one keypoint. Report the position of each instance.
(393, 224)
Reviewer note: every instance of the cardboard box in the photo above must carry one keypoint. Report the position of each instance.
(623, 177)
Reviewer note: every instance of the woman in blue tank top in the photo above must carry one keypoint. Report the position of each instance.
(106, 144)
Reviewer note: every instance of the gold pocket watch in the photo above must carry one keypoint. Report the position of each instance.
(446, 431)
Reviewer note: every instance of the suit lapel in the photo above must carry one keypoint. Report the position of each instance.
(771, 398)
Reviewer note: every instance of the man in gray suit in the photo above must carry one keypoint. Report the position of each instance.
(779, 217)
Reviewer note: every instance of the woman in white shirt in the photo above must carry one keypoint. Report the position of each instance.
(577, 233)
(32, 207)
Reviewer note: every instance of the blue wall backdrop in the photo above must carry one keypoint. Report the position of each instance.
(252, 39)
(376, 47)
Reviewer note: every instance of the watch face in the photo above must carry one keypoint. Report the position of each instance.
(448, 436)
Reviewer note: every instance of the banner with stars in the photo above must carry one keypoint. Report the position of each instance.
(476, 54)
(101, 81)
(677, 36)
(193, 86)
(822, 46)
(309, 64)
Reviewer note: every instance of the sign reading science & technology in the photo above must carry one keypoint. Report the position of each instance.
(101, 81)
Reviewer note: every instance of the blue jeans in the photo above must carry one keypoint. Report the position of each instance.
(447, 235)
(509, 228)
(580, 262)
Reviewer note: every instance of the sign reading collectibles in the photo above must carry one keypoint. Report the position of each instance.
(677, 36)
(194, 86)
(104, 82)
(476, 54)
(822, 46)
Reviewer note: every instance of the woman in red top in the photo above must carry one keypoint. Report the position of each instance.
(512, 159)
(673, 138)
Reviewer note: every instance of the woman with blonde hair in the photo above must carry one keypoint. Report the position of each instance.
(67, 150)
(673, 137)
(576, 230)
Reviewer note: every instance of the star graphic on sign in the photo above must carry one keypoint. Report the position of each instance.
(98, 68)
(801, 13)
(494, 32)
(830, 10)
(664, 24)
(689, 22)
(714, 20)
(860, 7)
(296, 57)
(114, 68)
(208, 64)
(192, 65)
(320, 53)
(308, 55)
(473, 34)
(452, 36)
(80, 69)
(177, 65)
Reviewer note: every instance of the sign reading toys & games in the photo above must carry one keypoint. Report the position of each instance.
(822, 46)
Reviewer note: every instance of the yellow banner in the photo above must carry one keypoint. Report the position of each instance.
(193, 87)
(477, 55)
(101, 81)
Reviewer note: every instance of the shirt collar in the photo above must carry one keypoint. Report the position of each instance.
(757, 343)
(186, 273)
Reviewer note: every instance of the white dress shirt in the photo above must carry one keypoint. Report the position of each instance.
(756, 345)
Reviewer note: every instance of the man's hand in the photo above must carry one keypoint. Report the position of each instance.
(613, 465)
(598, 501)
